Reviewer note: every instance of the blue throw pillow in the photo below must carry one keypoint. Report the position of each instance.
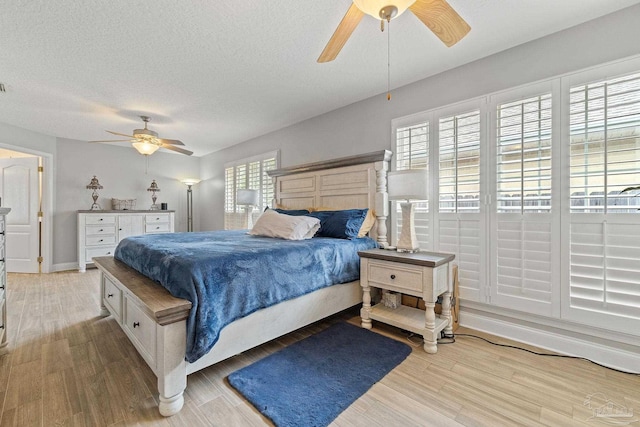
(292, 212)
(344, 224)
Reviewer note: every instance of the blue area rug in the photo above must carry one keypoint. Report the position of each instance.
(313, 380)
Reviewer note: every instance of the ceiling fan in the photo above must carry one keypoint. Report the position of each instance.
(438, 15)
(147, 142)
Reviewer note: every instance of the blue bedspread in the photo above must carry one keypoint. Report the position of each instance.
(229, 274)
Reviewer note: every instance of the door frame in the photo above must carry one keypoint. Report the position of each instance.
(47, 202)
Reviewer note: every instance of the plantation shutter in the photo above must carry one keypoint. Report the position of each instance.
(604, 223)
(412, 152)
(461, 224)
(524, 259)
(252, 174)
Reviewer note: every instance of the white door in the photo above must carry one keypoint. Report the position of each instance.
(19, 189)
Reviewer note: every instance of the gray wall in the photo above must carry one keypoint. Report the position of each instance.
(366, 126)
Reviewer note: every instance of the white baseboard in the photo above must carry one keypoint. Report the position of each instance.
(559, 341)
(64, 267)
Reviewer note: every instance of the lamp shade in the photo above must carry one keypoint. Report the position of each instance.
(372, 7)
(190, 181)
(247, 197)
(408, 184)
(145, 148)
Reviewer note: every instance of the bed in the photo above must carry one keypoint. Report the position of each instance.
(156, 321)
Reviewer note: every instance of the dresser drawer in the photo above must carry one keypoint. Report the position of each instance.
(395, 276)
(100, 219)
(99, 230)
(142, 329)
(99, 251)
(158, 227)
(108, 239)
(112, 297)
(155, 218)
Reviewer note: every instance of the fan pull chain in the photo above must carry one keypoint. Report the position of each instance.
(388, 59)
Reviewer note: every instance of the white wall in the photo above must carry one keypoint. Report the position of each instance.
(366, 125)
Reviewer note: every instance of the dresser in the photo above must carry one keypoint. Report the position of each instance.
(3, 280)
(99, 232)
(426, 275)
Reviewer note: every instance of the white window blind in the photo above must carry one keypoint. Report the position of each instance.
(604, 224)
(412, 152)
(248, 173)
(604, 145)
(523, 257)
(460, 222)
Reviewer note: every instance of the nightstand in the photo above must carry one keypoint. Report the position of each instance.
(422, 274)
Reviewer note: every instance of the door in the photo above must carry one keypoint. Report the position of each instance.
(19, 189)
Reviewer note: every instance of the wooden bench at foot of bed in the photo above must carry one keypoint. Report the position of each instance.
(154, 321)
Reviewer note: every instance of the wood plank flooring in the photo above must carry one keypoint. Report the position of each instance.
(66, 366)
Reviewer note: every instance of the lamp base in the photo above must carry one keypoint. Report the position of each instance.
(408, 242)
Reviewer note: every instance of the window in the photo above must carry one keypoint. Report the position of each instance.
(524, 155)
(247, 173)
(605, 145)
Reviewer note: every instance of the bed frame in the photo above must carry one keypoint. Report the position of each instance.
(155, 321)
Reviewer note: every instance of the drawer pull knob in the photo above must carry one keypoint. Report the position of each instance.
(101, 229)
(119, 229)
(100, 219)
(102, 240)
(1, 326)
(109, 295)
(136, 324)
(157, 219)
(393, 276)
(157, 228)
(2, 287)
(109, 253)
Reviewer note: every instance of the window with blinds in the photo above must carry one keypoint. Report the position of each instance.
(460, 224)
(604, 227)
(459, 163)
(524, 258)
(412, 152)
(605, 145)
(249, 173)
(524, 155)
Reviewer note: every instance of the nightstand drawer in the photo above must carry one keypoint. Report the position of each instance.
(395, 276)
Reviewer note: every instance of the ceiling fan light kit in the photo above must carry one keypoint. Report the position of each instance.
(145, 148)
(383, 9)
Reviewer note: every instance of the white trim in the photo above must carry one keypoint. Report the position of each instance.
(256, 158)
(65, 266)
(556, 339)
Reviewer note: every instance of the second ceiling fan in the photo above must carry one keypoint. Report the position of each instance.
(438, 15)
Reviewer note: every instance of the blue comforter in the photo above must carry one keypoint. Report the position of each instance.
(229, 274)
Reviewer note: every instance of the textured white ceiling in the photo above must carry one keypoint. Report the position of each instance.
(214, 73)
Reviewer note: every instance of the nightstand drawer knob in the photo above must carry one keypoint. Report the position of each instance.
(136, 324)
(109, 295)
(393, 276)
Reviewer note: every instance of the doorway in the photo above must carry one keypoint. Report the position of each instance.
(21, 190)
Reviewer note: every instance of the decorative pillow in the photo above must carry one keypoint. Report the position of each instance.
(344, 224)
(367, 224)
(292, 212)
(274, 224)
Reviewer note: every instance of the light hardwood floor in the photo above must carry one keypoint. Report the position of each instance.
(66, 366)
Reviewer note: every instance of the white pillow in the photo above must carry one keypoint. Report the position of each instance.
(274, 224)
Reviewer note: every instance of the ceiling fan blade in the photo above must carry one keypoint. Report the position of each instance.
(170, 141)
(113, 140)
(177, 149)
(440, 17)
(341, 35)
(121, 134)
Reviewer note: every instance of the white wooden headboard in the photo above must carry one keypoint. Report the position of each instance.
(355, 182)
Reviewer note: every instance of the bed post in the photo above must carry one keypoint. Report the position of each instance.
(382, 199)
(172, 369)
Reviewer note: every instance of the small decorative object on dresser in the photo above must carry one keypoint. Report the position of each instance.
(94, 185)
(100, 232)
(154, 189)
(3, 282)
(423, 274)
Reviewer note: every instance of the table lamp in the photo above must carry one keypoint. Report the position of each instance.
(408, 185)
(247, 198)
